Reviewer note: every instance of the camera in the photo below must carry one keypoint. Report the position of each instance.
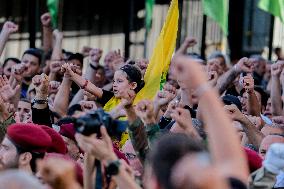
(92, 122)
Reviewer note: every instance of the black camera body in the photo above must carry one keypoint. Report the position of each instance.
(92, 122)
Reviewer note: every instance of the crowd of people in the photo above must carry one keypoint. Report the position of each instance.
(214, 125)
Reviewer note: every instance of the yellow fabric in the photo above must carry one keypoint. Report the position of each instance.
(160, 60)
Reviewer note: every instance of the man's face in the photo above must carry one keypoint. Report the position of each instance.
(132, 158)
(267, 141)
(259, 66)
(9, 158)
(8, 68)
(268, 110)
(24, 109)
(73, 150)
(32, 63)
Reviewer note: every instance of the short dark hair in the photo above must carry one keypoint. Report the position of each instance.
(167, 150)
(16, 60)
(76, 56)
(133, 75)
(73, 109)
(35, 52)
(35, 157)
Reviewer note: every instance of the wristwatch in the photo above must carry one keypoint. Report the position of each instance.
(113, 168)
(39, 101)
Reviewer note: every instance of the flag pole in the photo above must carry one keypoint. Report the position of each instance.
(180, 7)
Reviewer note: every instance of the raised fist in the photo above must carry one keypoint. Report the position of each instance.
(46, 19)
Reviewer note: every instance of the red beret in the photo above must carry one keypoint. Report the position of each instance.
(58, 145)
(29, 136)
(68, 131)
(254, 160)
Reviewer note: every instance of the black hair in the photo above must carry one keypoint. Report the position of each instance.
(73, 109)
(16, 60)
(77, 56)
(35, 157)
(35, 52)
(134, 75)
(167, 151)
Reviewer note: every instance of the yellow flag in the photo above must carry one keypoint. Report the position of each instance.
(160, 60)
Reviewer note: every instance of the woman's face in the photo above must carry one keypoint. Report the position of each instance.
(121, 84)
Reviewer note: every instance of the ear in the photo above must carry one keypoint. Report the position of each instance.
(133, 85)
(25, 158)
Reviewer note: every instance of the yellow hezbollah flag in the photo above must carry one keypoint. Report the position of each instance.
(159, 63)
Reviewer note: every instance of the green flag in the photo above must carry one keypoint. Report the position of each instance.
(52, 6)
(275, 7)
(149, 4)
(218, 11)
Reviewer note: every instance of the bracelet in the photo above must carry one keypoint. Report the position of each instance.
(199, 92)
(39, 101)
(85, 84)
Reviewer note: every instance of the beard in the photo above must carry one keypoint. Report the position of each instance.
(10, 164)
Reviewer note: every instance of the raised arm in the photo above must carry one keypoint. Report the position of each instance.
(253, 107)
(253, 134)
(83, 83)
(56, 54)
(226, 150)
(275, 93)
(46, 31)
(61, 100)
(94, 58)
(7, 30)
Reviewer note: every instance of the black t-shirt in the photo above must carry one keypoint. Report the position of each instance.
(107, 95)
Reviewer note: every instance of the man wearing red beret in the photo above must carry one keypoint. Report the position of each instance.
(22, 146)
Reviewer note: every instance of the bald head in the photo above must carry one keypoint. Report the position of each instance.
(267, 141)
(15, 179)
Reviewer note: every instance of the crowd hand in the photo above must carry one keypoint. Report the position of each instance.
(57, 34)
(257, 121)
(187, 69)
(212, 78)
(58, 173)
(95, 55)
(89, 96)
(67, 69)
(165, 96)
(41, 83)
(117, 59)
(127, 98)
(7, 92)
(86, 50)
(46, 20)
(55, 66)
(3, 110)
(9, 28)
(274, 159)
(277, 68)
(88, 106)
(102, 148)
(183, 120)
(54, 86)
(145, 110)
(234, 112)
(244, 65)
(171, 107)
(18, 71)
(248, 83)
